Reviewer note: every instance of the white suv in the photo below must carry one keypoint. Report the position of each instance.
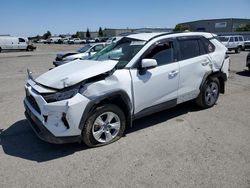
(235, 42)
(94, 100)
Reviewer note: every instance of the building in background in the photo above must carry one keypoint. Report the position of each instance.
(227, 25)
(109, 32)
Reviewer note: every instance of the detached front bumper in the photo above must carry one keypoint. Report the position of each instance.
(55, 122)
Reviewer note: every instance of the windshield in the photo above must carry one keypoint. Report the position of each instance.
(84, 49)
(122, 51)
(224, 39)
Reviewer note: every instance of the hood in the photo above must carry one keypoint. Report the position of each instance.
(74, 72)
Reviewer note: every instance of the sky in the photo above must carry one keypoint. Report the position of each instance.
(32, 17)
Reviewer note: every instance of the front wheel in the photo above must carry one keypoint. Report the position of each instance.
(105, 125)
(209, 93)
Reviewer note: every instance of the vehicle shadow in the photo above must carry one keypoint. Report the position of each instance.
(244, 73)
(19, 140)
(163, 116)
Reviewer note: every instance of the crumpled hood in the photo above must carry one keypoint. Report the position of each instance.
(74, 72)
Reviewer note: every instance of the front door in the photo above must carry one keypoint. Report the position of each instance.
(158, 85)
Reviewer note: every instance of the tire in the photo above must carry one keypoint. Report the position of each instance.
(208, 98)
(0, 50)
(237, 50)
(29, 48)
(98, 131)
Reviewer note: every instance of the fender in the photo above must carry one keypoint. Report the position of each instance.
(111, 96)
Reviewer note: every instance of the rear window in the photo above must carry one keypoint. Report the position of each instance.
(209, 47)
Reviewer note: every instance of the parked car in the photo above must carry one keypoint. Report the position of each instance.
(65, 41)
(82, 53)
(247, 41)
(95, 100)
(15, 43)
(248, 61)
(235, 42)
(77, 41)
(90, 41)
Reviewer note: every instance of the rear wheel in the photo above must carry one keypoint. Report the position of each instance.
(105, 125)
(209, 93)
(237, 50)
(0, 50)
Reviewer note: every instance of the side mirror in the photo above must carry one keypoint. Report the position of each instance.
(148, 63)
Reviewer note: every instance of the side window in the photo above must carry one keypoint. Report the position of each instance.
(209, 47)
(163, 53)
(202, 47)
(21, 40)
(236, 39)
(231, 39)
(98, 48)
(241, 39)
(189, 48)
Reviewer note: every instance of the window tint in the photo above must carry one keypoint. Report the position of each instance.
(236, 39)
(21, 40)
(241, 38)
(202, 47)
(189, 48)
(163, 53)
(231, 39)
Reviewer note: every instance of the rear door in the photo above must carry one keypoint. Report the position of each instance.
(194, 64)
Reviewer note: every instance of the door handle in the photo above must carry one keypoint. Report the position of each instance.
(173, 74)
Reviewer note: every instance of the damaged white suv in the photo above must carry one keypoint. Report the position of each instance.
(94, 100)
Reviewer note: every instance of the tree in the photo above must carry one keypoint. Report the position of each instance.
(244, 28)
(180, 27)
(100, 32)
(47, 35)
(77, 35)
(88, 33)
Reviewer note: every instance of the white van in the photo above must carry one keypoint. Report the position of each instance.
(13, 43)
(235, 42)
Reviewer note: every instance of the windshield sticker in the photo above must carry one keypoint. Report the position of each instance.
(137, 43)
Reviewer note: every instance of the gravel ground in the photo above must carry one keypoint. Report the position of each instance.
(180, 147)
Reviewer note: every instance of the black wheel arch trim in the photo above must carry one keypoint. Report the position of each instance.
(119, 94)
(220, 75)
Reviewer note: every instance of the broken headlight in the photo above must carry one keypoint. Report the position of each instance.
(64, 94)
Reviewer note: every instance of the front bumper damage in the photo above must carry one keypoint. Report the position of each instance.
(56, 122)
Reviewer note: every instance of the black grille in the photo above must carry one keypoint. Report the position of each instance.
(33, 103)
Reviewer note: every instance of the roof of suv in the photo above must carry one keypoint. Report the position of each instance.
(148, 36)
